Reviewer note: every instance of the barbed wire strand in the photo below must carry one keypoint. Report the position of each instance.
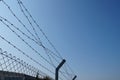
(28, 36)
(29, 21)
(50, 59)
(25, 54)
(19, 19)
(26, 43)
(64, 76)
(48, 56)
(21, 3)
(38, 26)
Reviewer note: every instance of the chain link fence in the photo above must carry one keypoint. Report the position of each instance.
(11, 63)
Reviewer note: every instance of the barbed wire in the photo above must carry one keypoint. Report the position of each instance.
(28, 36)
(50, 59)
(25, 54)
(29, 21)
(70, 69)
(46, 50)
(65, 77)
(18, 19)
(52, 54)
(23, 40)
(22, 5)
(26, 42)
(35, 38)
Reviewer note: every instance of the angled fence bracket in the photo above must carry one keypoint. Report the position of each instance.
(57, 69)
(74, 77)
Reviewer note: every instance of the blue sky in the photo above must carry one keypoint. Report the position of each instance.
(85, 32)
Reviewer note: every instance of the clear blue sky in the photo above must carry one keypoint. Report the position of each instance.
(85, 32)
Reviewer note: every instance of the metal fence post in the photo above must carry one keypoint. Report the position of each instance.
(57, 69)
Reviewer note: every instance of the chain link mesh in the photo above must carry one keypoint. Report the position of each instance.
(11, 63)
